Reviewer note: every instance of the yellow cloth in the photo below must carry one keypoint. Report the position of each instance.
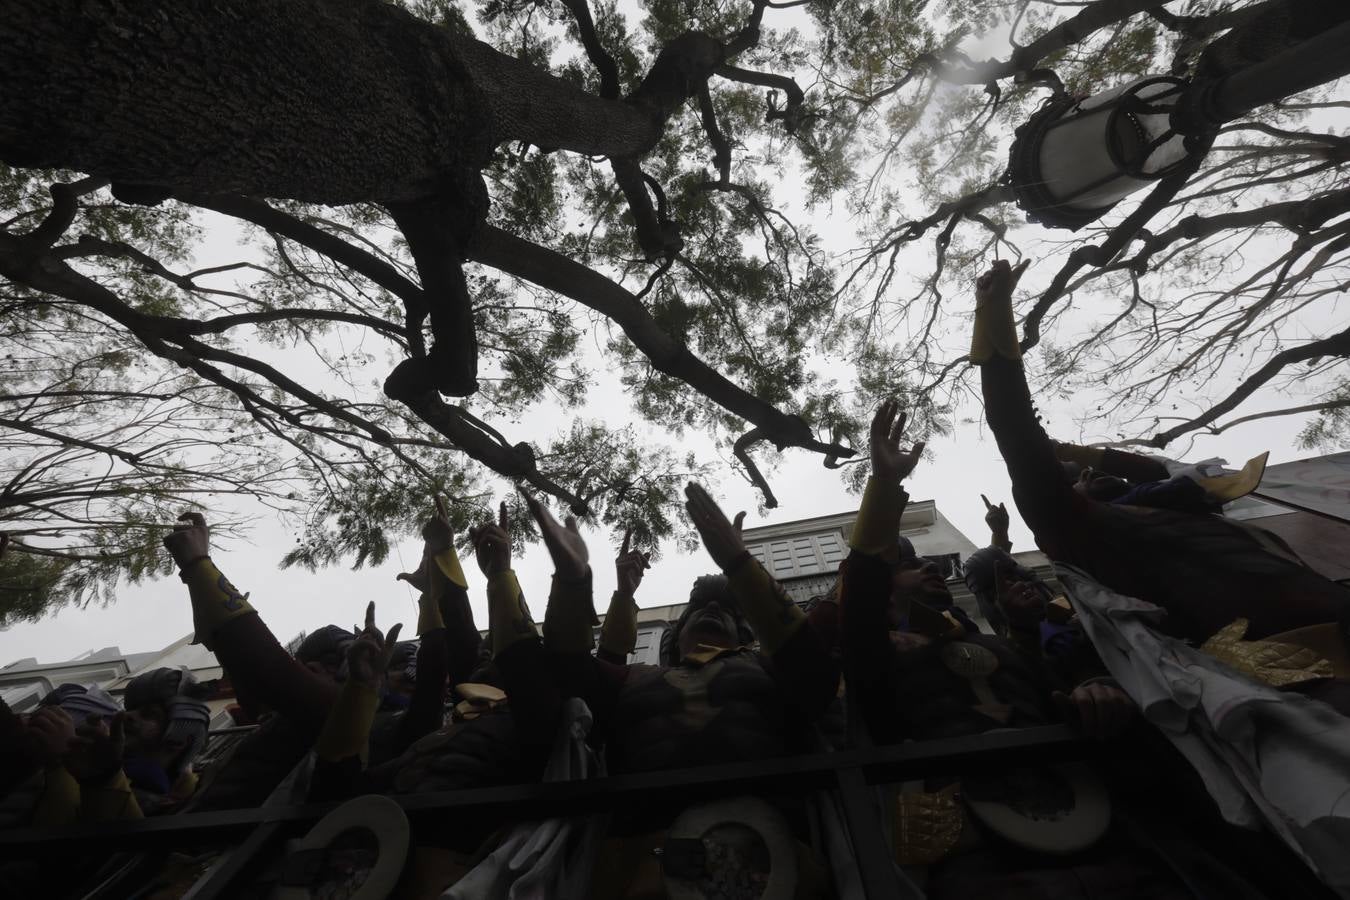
(59, 802)
(184, 786)
(995, 333)
(110, 801)
(215, 600)
(509, 618)
(773, 616)
(569, 618)
(1227, 488)
(1327, 641)
(443, 572)
(877, 529)
(448, 564)
(1274, 662)
(429, 616)
(346, 732)
(618, 635)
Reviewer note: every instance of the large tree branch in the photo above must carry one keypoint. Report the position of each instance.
(485, 445)
(1073, 30)
(791, 113)
(658, 237)
(595, 51)
(170, 339)
(360, 261)
(67, 440)
(1336, 345)
(742, 451)
(556, 272)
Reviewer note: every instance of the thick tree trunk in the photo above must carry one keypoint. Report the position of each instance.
(327, 101)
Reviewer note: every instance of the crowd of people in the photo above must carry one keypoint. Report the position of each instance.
(1206, 792)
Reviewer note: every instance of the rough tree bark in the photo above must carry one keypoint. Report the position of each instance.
(336, 102)
(325, 102)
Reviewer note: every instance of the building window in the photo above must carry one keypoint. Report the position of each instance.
(811, 554)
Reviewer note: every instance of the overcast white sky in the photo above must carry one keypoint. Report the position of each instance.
(960, 468)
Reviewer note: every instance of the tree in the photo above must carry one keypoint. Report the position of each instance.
(1220, 282)
(460, 205)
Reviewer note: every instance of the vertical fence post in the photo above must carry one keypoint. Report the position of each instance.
(876, 864)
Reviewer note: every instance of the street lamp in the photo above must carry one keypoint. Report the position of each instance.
(1076, 158)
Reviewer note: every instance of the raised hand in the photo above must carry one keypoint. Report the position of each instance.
(1024, 605)
(437, 537)
(49, 734)
(721, 536)
(888, 460)
(565, 545)
(629, 566)
(492, 543)
(998, 283)
(996, 517)
(96, 751)
(190, 539)
(368, 656)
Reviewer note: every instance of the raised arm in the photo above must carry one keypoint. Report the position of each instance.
(343, 745)
(864, 594)
(1131, 466)
(438, 576)
(996, 517)
(527, 674)
(1040, 489)
(618, 634)
(801, 660)
(262, 672)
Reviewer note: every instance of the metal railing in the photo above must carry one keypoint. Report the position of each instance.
(850, 773)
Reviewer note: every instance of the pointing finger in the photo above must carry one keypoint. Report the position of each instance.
(370, 615)
(440, 507)
(627, 534)
(987, 504)
(739, 521)
(504, 517)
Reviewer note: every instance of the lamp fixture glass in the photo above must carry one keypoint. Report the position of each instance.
(1076, 158)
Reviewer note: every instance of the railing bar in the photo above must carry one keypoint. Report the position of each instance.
(221, 876)
(1001, 749)
(875, 861)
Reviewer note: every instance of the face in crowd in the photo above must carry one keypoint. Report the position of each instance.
(916, 578)
(711, 618)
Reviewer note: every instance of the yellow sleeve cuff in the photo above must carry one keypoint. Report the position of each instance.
(619, 633)
(110, 802)
(877, 528)
(346, 732)
(448, 564)
(770, 612)
(429, 616)
(215, 600)
(995, 333)
(509, 618)
(59, 802)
